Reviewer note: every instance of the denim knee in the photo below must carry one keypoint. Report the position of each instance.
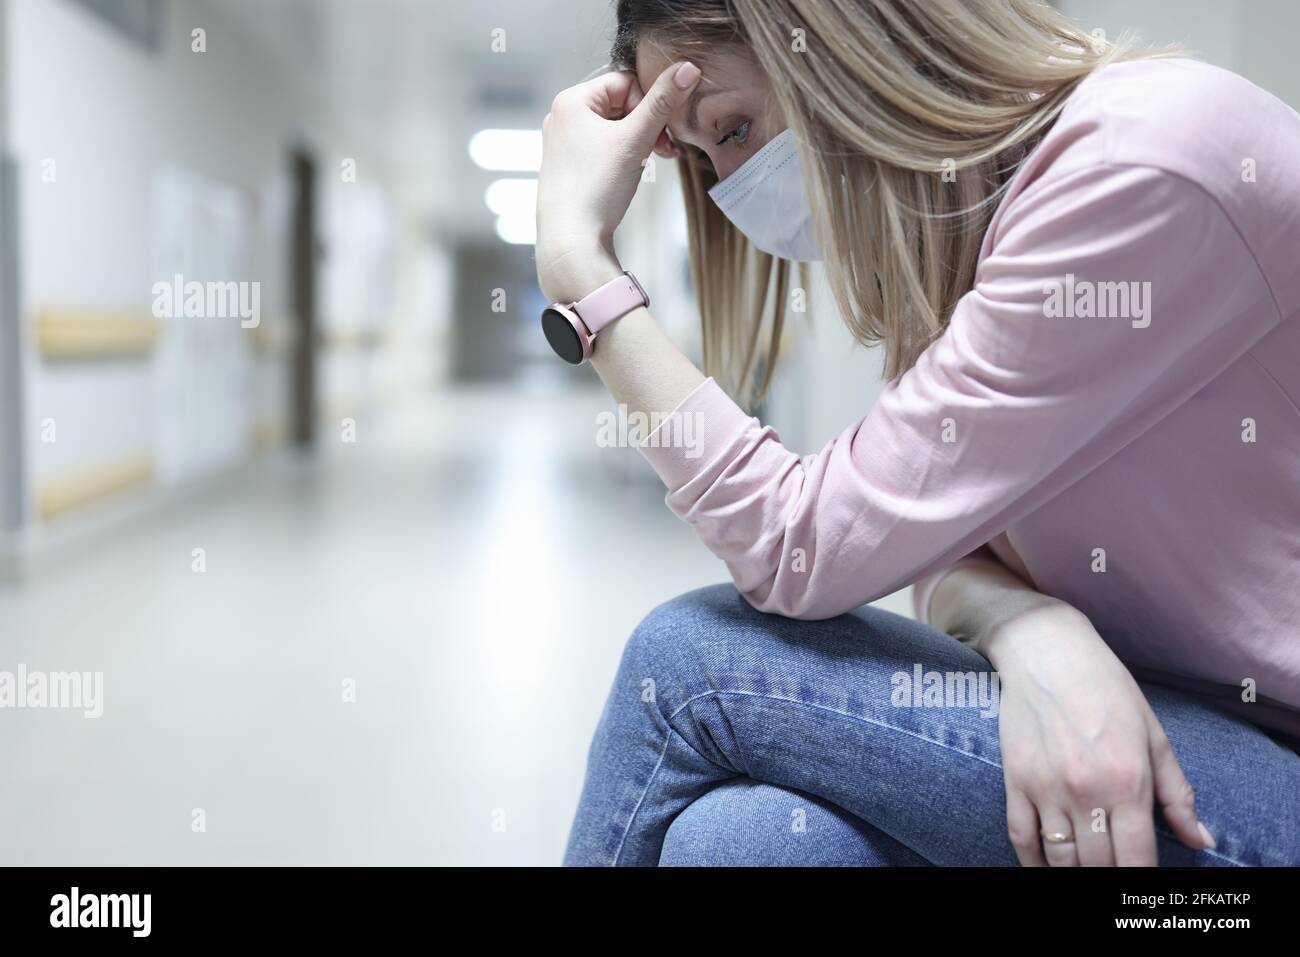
(745, 823)
(694, 641)
(669, 648)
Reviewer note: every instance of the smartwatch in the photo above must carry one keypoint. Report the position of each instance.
(571, 329)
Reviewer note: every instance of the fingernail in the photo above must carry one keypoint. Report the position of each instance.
(686, 74)
(1206, 835)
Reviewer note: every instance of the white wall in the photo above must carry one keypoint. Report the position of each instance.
(11, 475)
(146, 146)
(1252, 37)
(176, 160)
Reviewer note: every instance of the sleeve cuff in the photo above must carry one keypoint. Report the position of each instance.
(683, 444)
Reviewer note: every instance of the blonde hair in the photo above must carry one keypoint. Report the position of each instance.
(884, 97)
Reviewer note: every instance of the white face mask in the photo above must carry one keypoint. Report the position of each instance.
(765, 199)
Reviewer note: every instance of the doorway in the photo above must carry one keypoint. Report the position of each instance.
(303, 260)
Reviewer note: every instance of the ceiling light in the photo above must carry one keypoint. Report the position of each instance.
(513, 150)
(512, 197)
(520, 230)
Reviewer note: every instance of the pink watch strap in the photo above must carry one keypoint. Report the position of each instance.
(611, 301)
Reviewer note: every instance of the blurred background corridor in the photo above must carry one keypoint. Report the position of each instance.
(339, 531)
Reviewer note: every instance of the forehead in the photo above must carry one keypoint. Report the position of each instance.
(723, 66)
(724, 69)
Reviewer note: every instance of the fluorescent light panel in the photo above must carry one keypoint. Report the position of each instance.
(517, 151)
(515, 203)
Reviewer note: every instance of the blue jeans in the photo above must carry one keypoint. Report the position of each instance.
(735, 737)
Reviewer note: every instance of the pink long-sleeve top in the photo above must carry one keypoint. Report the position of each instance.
(1138, 460)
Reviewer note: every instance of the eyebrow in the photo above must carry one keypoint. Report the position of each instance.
(693, 105)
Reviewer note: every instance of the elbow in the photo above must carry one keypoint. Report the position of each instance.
(803, 597)
(807, 583)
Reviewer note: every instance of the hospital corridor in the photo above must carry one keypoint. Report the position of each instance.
(383, 661)
(311, 551)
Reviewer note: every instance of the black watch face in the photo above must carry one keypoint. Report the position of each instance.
(562, 336)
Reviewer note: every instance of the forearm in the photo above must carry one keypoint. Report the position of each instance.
(642, 368)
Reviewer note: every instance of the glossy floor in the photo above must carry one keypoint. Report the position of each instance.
(467, 571)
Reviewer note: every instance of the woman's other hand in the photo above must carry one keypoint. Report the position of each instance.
(1083, 754)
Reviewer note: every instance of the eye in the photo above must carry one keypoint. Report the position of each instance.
(739, 134)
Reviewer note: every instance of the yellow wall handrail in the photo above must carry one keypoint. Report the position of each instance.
(66, 493)
(87, 333)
